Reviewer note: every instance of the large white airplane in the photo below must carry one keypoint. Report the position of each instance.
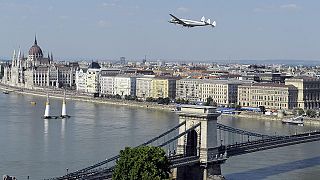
(192, 23)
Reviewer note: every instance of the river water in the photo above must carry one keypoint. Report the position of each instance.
(31, 146)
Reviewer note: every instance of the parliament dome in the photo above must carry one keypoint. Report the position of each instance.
(35, 49)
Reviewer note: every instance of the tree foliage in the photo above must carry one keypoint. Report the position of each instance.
(209, 101)
(142, 163)
(311, 113)
(182, 101)
(298, 111)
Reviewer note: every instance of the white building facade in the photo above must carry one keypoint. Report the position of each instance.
(107, 85)
(124, 85)
(144, 87)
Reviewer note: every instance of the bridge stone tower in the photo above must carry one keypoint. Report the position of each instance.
(200, 141)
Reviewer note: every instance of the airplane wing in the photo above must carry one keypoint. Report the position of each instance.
(180, 21)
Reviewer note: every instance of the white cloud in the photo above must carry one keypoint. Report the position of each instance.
(289, 6)
(276, 8)
(264, 9)
(104, 24)
(109, 4)
(182, 10)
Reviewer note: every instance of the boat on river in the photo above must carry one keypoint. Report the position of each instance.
(5, 92)
(298, 120)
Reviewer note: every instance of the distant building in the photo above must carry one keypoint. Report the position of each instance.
(144, 87)
(107, 84)
(269, 95)
(308, 91)
(189, 89)
(163, 87)
(81, 76)
(122, 60)
(223, 92)
(125, 86)
(92, 78)
(266, 77)
(38, 71)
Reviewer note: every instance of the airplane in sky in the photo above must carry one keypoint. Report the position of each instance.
(192, 23)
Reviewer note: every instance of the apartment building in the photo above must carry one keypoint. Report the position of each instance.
(107, 84)
(269, 95)
(125, 85)
(144, 87)
(163, 87)
(188, 89)
(308, 91)
(223, 92)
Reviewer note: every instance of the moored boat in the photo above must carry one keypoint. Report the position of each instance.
(5, 92)
(298, 120)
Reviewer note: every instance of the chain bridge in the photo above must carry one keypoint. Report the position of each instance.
(198, 145)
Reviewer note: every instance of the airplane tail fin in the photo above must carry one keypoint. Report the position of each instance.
(208, 21)
(214, 24)
(203, 19)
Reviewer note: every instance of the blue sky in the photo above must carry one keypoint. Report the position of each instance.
(108, 29)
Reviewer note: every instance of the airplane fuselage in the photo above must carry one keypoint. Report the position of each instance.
(189, 22)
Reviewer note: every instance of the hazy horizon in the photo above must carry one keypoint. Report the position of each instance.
(110, 29)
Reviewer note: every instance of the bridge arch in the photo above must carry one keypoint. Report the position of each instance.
(192, 143)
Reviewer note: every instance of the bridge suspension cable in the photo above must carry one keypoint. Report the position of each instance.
(240, 131)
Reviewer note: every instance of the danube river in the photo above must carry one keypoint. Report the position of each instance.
(31, 146)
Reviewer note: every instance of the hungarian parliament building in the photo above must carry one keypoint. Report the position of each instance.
(35, 70)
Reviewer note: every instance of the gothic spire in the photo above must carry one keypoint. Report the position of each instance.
(35, 40)
(51, 57)
(14, 57)
(19, 54)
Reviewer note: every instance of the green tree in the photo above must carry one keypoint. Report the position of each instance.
(262, 109)
(142, 163)
(311, 113)
(149, 99)
(209, 101)
(298, 111)
(238, 107)
(166, 100)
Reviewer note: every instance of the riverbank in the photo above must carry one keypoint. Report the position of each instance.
(72, 95)
(260, 116)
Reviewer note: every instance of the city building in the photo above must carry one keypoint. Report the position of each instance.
(269, 95)
(107, 83)
(35, 70)
(163, 87)
(144, 86)
(222, 92)
(189, 89)
(308, 91)
(125, 85)
(81, 79)
(92, 78)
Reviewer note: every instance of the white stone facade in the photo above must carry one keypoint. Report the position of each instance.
(107, 85)
(124, 85)
(92, 81)
(144, 87)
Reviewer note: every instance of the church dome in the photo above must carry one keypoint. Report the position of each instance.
(35, 49)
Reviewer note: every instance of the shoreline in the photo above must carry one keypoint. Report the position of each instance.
(58, 94)
(72, 95)
(260, 117)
